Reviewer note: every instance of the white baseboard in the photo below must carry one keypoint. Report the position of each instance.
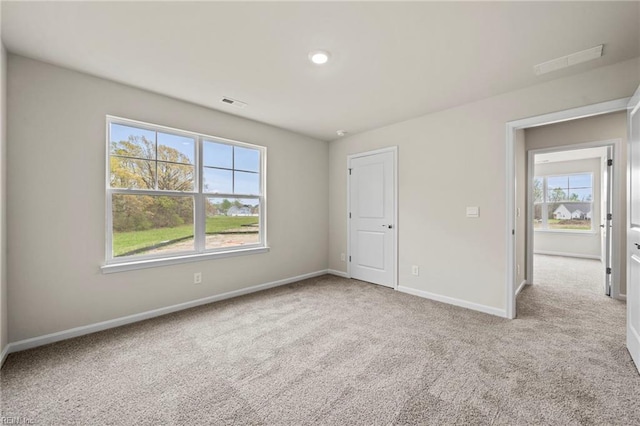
(453, 301)
(3, 355)
(559, 253)
(622, 296)
(338, 273)
(117, 322)
(521, 286)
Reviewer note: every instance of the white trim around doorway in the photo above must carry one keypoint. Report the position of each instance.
(511, 127)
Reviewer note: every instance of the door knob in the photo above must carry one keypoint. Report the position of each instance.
(637, 246)
(387, 226)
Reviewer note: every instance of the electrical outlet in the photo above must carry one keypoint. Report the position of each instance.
(197, 278)
(415, 270)
(342, 257)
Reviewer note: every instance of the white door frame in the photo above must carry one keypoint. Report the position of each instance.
(617, 226)
(394, 150)
(511, 127)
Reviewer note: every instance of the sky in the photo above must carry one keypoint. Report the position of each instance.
(580, 184)
(227, 168)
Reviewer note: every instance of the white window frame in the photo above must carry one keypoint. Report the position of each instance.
(545, 204)
(200, 252)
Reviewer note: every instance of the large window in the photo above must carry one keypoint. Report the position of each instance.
(563, 202)
(173, 194)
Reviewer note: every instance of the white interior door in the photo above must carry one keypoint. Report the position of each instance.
(372, 224)
(633, 232)
(606, 217)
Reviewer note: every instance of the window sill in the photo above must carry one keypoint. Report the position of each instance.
(166, 261)
(566, 231)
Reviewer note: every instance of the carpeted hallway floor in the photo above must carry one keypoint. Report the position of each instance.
(569, 272)
(335, 351)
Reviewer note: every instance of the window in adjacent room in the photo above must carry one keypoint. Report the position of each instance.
(563, 202)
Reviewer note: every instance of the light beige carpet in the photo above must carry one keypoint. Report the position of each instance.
(333, 351)
(569, 272)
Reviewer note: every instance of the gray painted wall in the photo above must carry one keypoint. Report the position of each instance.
(456, 158)
(56, 218)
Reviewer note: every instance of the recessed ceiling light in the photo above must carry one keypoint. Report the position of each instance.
(319, 57)
(341, 132)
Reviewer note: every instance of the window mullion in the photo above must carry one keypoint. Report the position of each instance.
(545, 205)
(200, 220)
(156, 162)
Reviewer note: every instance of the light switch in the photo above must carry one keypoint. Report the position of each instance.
(473, 212)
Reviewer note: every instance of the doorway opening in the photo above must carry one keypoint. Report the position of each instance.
(518, 267)
(570, 214)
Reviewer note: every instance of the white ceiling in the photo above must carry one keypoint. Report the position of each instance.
(570, 155)
(390, 61)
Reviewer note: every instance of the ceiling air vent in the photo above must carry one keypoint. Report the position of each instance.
(236, 103)
(569, 60)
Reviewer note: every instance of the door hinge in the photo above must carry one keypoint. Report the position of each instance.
(513, 232)
(608, 270)
(350, 171)
(609, 216)
(349, 258)
(349, 215)
(609, 162)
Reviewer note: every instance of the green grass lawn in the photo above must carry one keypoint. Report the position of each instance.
(572, 224)
(125, 242)
(224, 223)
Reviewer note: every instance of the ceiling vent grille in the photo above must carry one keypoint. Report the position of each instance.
(236, 103)
(569, 60)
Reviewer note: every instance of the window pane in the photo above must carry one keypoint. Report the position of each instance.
(570, 225)
(537, 190)
(132, 142)
(557, 194)
(175, 177)
(232, 222)
(218, 181)
(557, 182)
(581, 194)
(246, 183)
(537, 216)
(580, 181)
(130, 173)
(569, 188)
(217, 155)
(570, 216)
(145, 224)
(177, 149)
(246, 159)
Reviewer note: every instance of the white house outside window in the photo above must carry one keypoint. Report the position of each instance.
(173, 193)
(563, 202)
